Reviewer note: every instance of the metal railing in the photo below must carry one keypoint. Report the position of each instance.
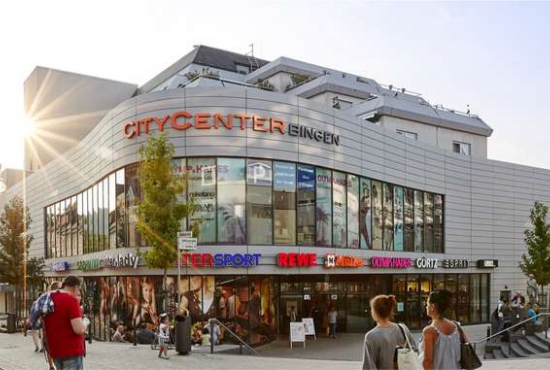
(241, 342)
(542, 314)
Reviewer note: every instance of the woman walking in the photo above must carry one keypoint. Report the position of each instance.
(381, 342)
(440, 345)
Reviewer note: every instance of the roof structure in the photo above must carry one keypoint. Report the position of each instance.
(206, 56)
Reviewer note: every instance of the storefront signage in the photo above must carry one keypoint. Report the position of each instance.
(59, 266)
(114, 262)
(390, 262)
(487, 264)
(89, 265)
(455, 264)
(332, 261)
(120, 261)
(220, 259)
(425, 263)
(183, 120)
(297, 259)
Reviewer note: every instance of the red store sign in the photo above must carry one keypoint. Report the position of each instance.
(332, 261)
(297, 259)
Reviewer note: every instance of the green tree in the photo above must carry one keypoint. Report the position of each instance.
(159, 210)
(14, 249)
(537, 242)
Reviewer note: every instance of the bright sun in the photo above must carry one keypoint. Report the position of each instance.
(27, 126)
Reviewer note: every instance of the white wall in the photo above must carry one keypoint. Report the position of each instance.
(437, 136)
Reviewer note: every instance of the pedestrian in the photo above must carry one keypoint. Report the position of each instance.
(65, 328)
(216, 332)
(379, 348)
(332, 321)
(36, 333)
(205, 337)
(118, 336)
(164, 335)
(440, 344)
(531, 313)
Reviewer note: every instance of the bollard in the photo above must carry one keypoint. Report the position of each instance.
(211, 336)
(135, 336)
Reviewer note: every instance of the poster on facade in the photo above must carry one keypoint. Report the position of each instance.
(297, 333)
(323, 210)
(231, 201)
(309, 326)
(398, 218)
(365, 214)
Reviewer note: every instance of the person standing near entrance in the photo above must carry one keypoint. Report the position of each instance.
(65, 328)
(332, 321)
(379, 348)
(440, 346)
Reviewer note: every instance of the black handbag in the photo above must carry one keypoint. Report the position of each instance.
(468, 356)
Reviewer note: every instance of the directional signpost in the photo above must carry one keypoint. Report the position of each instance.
(186, 242)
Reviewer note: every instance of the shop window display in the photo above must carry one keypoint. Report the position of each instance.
(323, 211)
(377, 215)
(339, 206)
(306, 205)
(202, 188)
(388, 216)
(365, 215)
(353, 211)
(284, 203)
(259, 203)
(231, 200)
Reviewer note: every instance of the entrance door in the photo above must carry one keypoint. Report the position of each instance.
(359, 319)
(289, 306)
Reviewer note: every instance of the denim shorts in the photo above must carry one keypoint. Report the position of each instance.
(69, 363)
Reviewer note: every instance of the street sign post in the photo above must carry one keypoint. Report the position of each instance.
(186, 242)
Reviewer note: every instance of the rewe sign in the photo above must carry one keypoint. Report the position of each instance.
(183, 120)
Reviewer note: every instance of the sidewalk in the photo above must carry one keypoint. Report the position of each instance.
(16, 353)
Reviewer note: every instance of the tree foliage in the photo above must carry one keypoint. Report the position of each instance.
(537, 242)
(159, 211)
(14, 248)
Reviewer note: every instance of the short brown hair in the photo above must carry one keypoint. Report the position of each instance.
(71, 281)
(383, 305)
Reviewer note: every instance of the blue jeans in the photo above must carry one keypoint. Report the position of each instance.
(69, 363)
(333, 330)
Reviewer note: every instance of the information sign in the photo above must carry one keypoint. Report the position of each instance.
(309, 326)
(297, 333)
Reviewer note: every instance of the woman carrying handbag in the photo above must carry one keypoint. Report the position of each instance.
(388, 345)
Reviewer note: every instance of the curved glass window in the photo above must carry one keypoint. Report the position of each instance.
(365, 215)
(257, 202)
(284, 203)
(259, 181)
(339, 209)
(202, 188)
(306, 205)
(231, 201)
(353, 211)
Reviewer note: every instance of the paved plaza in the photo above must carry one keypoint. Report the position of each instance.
(16, 353)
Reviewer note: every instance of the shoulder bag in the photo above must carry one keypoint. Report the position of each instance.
(407, 358)
(468, 356)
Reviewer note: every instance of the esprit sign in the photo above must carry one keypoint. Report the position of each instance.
(455, 264)
(220, 260)
(183, 120)
(333, 261)
(297, 259)
(390, 262)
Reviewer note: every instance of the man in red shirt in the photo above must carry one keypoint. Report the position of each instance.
(65, 328)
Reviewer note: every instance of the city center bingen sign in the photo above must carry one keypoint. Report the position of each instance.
(183, 120)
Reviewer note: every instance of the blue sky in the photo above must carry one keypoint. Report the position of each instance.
(494, 56)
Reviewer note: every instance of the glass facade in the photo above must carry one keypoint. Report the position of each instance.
(257, 307)
(257, 202)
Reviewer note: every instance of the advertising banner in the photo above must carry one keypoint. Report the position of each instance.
(297, 333)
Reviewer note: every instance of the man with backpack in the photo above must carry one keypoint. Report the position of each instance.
(65, 328)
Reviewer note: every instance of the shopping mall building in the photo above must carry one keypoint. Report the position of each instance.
(316, 188)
